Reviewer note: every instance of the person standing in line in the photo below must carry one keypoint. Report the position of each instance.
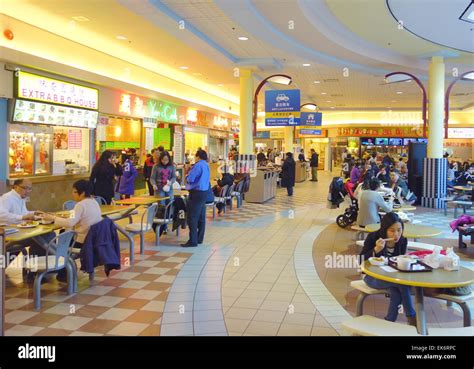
(301, 156)
(147, 168)
(103, 174)
(198, 184)
(313, 163)
(288, 173)
(126, 184)
(344, 155)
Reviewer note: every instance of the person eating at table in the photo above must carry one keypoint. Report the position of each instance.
(388, 241)
(86, 213)
(370, 203)
(13, 211)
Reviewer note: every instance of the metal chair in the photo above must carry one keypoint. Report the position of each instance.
(144, 226)
(56, 258)
(167, 219)
(221, 199)
(100, 200)
(237, 193)
(228, 196)
(69, 205)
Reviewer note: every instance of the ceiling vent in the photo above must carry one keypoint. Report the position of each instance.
(330, 80)
(461, 94)
(336, 95)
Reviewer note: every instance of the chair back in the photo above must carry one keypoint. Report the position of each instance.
(100, 200)
(240, 187)
(148, 216)
(59, 246)
(223, 191)
(69, 205)
(230, 190)
(169, 210)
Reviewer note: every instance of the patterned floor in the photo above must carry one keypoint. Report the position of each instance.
(129, 302)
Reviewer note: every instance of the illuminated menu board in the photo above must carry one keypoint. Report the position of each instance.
(32, 112)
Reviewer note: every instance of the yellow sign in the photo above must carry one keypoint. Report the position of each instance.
(295, 114)
(39, 88)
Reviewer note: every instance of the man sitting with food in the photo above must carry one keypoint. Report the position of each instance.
(13, 211)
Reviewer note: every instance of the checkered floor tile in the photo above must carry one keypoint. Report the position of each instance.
(129, 302)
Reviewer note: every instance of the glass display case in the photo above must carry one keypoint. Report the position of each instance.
(29, 151)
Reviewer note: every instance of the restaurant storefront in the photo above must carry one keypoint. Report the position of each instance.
(50, 134)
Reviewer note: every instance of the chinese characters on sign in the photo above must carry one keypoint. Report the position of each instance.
(282, 108)
(39, 88)
(390, 132)
(75, 139)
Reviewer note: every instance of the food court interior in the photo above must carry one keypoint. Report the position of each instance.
(394, 122)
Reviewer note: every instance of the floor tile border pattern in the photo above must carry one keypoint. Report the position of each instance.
(312, 284)
(195, 293)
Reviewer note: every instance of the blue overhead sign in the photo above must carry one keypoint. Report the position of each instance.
(263, 134)
(282, 108)
(313, 132)
(311, 119)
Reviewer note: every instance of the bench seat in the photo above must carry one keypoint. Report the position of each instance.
(366, 325)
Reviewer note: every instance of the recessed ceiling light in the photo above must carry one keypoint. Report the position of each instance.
(197, 74)
(220, 85)
(328, 101)
(323, 93)
(394, 100)
(317, 82)
(120, 37)
(306, 65)
(80, 18)
(243, 38)
(399, 92)
(332, 107)
(408, 81)
(183, 67)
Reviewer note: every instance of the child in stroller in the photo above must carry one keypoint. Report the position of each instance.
(340, 192)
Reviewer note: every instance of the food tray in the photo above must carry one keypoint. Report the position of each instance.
(427, 267)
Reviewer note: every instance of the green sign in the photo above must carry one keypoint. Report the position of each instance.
(162, 137)
(162, 111)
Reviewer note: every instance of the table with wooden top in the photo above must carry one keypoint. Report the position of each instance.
(414, 231)
(438, 278)
(144, 200)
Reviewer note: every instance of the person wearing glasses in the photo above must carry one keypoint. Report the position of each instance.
(13, 211)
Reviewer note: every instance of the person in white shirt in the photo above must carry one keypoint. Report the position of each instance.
(13, 204)
(13, 211)
(86, 213)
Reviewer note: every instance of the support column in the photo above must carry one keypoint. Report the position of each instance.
(289, 139)
(435, 166)
(246, 160)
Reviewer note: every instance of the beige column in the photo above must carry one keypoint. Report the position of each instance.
(436, 107)
(246, 111)
(289, 138)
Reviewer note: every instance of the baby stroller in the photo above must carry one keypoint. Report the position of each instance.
(342, 192)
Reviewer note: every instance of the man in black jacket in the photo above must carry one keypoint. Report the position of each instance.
(313, 163)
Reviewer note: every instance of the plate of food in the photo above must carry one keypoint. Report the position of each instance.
(63, 214)
(377, 261)
(28, 224)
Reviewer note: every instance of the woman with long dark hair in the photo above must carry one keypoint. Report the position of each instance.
(103, 175)
(288, 173)
(388, 241)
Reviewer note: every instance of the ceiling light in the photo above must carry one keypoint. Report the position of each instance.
(220, 85)
(197, 74)
(394, 100)
(306, 65)
(332, 107)
(243, 38)
(309, 106)
(120, 37)
(323, 93)
(395, 78)
(468, 14)
(183, 67)
(283, 80)
(399, 92)
(80, 18)
(317, 82)
(469, 76)
(328, 101)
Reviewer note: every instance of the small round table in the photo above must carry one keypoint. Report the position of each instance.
(414, 231)
(438, 278)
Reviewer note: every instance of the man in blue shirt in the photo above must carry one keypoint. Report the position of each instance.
(198, 184)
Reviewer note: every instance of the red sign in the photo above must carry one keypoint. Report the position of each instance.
(382, 132)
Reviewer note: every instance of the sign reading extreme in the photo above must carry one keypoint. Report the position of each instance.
(34, 87)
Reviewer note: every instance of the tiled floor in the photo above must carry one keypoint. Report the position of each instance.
(260, 272)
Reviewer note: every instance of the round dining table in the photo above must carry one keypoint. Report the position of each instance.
(438, 278)
(414, 231)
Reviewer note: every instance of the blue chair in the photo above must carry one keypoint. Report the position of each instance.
(145, 225)
(69, 205)
(100, 200)
(167, 219)
(57, 257)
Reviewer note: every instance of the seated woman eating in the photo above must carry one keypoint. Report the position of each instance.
(86, 213)
(388, 241)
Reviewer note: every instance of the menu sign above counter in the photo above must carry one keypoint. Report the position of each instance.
(32, 112)
(34, 87)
